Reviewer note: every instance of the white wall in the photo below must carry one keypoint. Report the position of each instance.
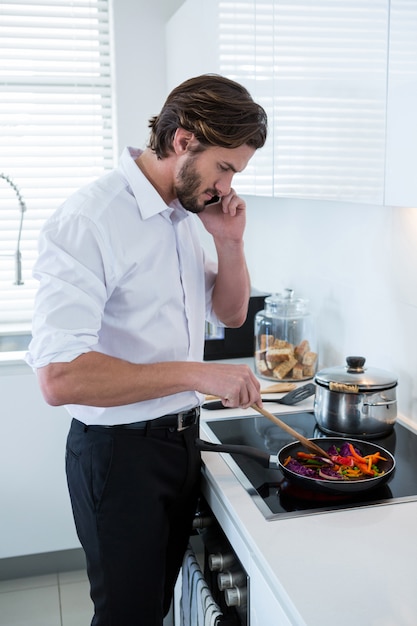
(197, 45)
(357, 264)
(139, 62)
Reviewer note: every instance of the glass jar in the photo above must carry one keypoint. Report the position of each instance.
(285, 341)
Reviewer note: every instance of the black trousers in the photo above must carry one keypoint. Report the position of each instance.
(134, 496)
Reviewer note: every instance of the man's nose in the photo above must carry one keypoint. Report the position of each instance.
(224, 184)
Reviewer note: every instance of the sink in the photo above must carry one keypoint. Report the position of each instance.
(14, 342)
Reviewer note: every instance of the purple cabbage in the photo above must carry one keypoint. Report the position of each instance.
(332, 450)
(344, 450)
(323, 471)
(301, 469)
(329, 473)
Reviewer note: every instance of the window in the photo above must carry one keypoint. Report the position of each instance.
(320, 71)
(55, 123)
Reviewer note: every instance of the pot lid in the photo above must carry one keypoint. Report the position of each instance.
(354, 373)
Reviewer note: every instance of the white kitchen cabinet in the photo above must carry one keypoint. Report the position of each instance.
(338, 81)
(401, 141)
(264, 607)
(36, 513)
(268, 605)
(319, 70)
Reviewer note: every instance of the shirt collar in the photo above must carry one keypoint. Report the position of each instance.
(147, 198)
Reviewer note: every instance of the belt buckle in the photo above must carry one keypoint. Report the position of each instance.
(181, 419)
(183, 423)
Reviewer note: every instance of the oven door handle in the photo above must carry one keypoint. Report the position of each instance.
(263, 458)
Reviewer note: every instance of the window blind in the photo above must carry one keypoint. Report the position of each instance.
(320, 71)
(55, 123)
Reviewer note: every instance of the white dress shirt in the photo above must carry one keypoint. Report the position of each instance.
(123, 274)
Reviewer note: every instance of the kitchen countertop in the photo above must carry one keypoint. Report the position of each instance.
(354, 566)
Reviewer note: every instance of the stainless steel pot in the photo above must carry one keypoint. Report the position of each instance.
(355, 400)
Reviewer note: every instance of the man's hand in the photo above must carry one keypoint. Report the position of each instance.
(225, 219)
(236, 385)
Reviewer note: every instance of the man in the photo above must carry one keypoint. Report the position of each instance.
(118, 337)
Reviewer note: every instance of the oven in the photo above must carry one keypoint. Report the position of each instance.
(214, 584)
(276, 498)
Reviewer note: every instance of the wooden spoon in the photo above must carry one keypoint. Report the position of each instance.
(310, 445)
(276, 388)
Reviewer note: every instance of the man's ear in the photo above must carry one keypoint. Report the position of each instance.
(181, 141)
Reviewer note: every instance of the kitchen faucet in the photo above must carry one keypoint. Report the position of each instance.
(22, 205)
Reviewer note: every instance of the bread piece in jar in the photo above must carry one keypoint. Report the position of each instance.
(282, 344)
(262, 367)
(284, 368)
(274, 356)
(301, 350)
(309, 359)
(265, 341)
(297, 372)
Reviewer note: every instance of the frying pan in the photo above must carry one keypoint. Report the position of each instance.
(276, 461)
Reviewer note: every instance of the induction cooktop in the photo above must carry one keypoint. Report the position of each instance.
(272, 493)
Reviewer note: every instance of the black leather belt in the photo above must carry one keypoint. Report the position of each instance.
(174, 421)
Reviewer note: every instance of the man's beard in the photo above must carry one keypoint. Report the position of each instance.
(188, 186)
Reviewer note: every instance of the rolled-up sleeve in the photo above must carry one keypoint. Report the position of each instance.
(74, 273)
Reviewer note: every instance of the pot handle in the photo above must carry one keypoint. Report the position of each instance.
(355, 364)
(262, 457)
(383, 403)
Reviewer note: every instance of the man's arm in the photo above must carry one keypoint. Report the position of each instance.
(226, 221)
(95, 379)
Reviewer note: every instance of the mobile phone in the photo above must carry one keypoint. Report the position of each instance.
(214, 200)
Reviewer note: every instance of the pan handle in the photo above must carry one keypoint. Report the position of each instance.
(262, 457)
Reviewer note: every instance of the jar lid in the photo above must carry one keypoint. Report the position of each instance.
(355, 374)
(285, 305)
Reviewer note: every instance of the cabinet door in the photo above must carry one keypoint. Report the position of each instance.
(401, 145)
(328, 87)
(36, 513)
(264, 606)
(320, 71)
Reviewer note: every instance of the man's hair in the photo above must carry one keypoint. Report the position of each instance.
(218, 111)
